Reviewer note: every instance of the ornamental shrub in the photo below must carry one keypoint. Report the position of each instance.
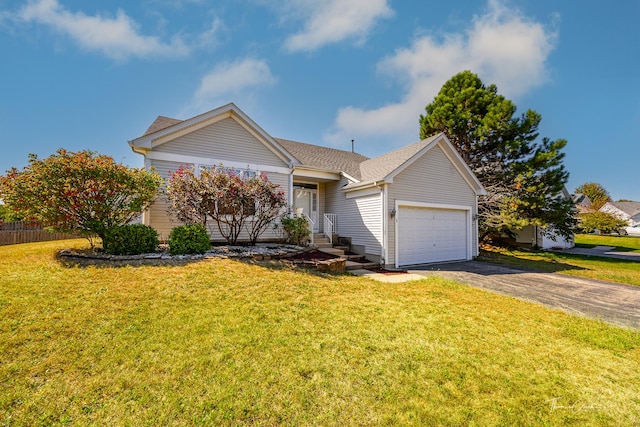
(189, 239)
(296, 230)
(130, 239)
(233, 200)
(80, 193)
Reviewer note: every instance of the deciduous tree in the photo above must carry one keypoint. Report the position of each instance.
(78, 192)
(596, 193)
(524, 177)
(602, 221)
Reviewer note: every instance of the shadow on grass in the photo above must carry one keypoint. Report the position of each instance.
(88, 259)
(286, 265)
(555, 263)
(616, 247)
(620, 243)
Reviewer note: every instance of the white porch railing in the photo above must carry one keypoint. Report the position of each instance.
(330, 226)
(310, 223)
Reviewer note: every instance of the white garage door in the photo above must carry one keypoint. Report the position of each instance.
(431, 235)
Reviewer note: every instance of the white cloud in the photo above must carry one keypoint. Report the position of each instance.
(116, 37)
(229, 80)
(210, 38)
(501, 46)
(331, 21)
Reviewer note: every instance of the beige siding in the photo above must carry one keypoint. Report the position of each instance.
(358, 218)
(322, 205)
(335, 202)
(224, 140)
(160, 218)
(431, 179)
(158, 215)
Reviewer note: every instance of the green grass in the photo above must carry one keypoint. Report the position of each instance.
(599, 268)
(621, 243)
(221, 342)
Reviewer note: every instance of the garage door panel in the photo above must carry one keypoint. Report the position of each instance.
(431, 235)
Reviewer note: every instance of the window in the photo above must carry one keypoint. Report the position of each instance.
(249, 207)
(242, 173)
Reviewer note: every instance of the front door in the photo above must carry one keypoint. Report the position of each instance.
(305, 200)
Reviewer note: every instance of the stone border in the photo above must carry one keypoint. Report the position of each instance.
(260, 252)
(335, 265)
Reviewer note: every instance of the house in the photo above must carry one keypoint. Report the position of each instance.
(628, 211)
(414, 205)
(538, 237)
(582, 202)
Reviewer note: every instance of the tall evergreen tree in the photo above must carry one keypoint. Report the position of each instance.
(524, 177)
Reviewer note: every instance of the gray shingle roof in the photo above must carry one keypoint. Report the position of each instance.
(378, 168)
(630, 208)
(320, 157)
(161, 122)
(356, 165)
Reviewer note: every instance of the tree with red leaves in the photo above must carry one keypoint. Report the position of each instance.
(78, 192)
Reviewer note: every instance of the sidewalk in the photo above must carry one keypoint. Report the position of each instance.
(602, 251)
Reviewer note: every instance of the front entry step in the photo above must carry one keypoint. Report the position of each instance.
(332, 251)
(321, 241)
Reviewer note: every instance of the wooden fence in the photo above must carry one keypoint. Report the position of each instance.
(12, 233)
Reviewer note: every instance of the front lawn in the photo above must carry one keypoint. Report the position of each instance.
(600, 268)
(621, 243)
(222, 342)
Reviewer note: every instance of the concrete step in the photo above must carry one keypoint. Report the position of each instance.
(332, 251)
(323, 245)
(354, 257)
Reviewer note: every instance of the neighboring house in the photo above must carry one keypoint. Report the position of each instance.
(536, 237)
(628, 211)
(582, 203)
(414, 205)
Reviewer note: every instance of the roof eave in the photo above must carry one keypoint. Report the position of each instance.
(229, 110)
(366, 184)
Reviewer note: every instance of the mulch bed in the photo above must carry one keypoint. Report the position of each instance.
(313, 256)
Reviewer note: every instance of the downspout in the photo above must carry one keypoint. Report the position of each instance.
(384, 252)
(146, 214)
(291, 187)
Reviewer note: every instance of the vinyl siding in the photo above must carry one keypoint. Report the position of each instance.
(322, 205)
(358, 218)
(431, 179)
(224, 140)
(158, 215)
(160, 219)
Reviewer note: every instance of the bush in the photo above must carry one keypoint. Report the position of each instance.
(80, 193)
(189, 239)
(296, 230)
(603, 221)
(131, 239)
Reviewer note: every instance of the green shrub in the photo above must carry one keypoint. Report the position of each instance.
(296, 230)
(603, 221)
(189, 239)
(130, 239)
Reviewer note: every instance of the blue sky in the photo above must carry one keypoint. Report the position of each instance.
(93, 75)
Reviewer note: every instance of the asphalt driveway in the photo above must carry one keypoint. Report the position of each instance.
(611, 302)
